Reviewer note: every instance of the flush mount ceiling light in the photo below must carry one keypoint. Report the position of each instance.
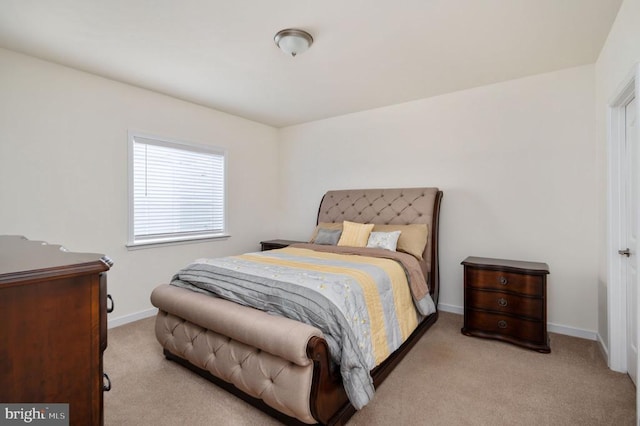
(292, 41)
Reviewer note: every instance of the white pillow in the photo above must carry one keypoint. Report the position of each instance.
(384, 240)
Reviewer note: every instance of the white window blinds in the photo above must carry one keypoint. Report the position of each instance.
(177, 191)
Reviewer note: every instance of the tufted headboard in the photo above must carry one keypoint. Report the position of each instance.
(398, 206)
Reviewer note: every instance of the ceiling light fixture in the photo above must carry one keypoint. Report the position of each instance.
(292, 41)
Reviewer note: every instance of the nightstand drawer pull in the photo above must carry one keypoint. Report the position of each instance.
(502, 302)
(113, 305)
(106, 387)
(503, 280)
(502, 324)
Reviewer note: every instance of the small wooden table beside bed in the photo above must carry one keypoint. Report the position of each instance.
(307, 332)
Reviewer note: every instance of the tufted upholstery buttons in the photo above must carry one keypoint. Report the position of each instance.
(280, 383)
(242, 346)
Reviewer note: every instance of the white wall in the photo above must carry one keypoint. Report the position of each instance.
(517, 164)
(63, 169)
(516, 160)
(619, 54)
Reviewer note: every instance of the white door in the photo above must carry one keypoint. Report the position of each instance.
(631, 224)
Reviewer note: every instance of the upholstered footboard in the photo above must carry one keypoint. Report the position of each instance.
(263, 355)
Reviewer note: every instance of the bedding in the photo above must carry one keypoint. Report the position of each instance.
(361, 299)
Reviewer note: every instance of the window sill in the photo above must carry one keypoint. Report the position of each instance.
(176, 241)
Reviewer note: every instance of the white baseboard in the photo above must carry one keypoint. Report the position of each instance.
(572, 331)
(451, 308)
(554, 328)
(603, 348)
(132, 317)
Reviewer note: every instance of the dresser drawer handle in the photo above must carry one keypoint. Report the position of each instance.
(502, 302)
(113, 305)
(106, 387)
(502, 324)
(503, 280)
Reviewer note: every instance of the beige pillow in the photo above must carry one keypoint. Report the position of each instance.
(413, 237)
(355, 234)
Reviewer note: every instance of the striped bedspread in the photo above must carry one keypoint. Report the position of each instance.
(362, 304)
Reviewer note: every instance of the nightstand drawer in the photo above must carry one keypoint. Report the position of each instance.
(532, 285)
(500, 302)
(506, 326)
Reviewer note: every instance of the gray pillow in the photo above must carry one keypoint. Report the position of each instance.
(328, 237)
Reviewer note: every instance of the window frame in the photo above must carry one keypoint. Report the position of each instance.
(178, 239)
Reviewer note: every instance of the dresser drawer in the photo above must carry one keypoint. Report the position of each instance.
(504, 325)
(532, 285)
(500, 302)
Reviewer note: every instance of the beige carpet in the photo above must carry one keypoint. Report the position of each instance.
(447, 379)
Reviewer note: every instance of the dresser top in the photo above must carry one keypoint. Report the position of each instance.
(23, 259)
(506, 265)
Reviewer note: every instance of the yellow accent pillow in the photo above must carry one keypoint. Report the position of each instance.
(355, 234)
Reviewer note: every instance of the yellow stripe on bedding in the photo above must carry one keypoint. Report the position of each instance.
(369, 289)
(405, 310)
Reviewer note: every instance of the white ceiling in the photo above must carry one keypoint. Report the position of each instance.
(366, 53)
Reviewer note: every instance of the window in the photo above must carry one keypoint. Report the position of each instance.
(177, 191)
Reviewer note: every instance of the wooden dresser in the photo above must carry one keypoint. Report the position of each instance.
(506, 300)
(53, 327)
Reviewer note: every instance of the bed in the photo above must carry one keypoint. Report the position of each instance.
(309, 370)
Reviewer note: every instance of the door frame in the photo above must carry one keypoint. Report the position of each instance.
(616, 285)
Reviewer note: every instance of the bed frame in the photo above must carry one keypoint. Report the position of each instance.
(327, 400)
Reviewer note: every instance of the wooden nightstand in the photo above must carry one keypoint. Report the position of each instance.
(506, 300)
(276, 244)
